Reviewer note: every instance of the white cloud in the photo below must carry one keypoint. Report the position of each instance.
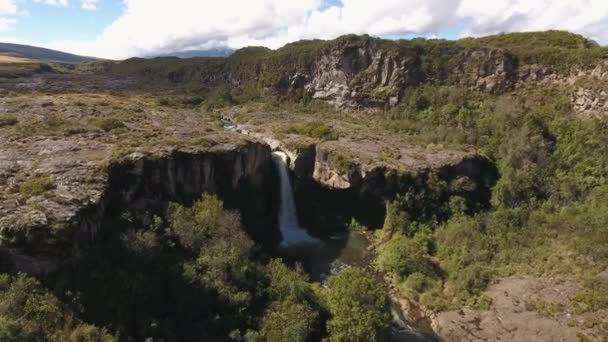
(490, 17)
(148, 26)
(89, 4)
(8, 6)
(6, 24)
(61, 3)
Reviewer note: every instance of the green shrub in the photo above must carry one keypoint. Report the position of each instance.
(29, 312)
(396, 220)
(402, 256)
(164, 102)
(8, 120)
(359, 307)
(289, 321)
(36, 185)
(287, 283)
(355, 225)
(193, 226)
(592, 297)
(419, 282)
(109, 124)
(313, 129)
(321, 131)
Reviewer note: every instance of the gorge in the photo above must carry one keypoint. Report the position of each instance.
(455, 186)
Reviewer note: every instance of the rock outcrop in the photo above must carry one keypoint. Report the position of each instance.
(354, 72)
(523, 309)
(65, 220)
(361, 177)
(70, 163)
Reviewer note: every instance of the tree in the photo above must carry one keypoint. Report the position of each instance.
(28, 312)
(359, 307)
(403, 256)
(289, 321)
(194, 225)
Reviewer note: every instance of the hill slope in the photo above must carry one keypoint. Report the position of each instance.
(218, 52)
(41, 53)
(362, 71)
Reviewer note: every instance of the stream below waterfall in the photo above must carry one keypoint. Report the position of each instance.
(322, 258)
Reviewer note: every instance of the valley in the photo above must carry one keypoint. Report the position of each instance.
(342, 190)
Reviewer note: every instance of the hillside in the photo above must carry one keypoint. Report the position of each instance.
(41, 53)
(362, 72)
(218, 52)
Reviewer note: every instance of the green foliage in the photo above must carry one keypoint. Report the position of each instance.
(194, 226)
(593, 296)
(294, 313)
(402, 256)
(181, 101)
(28, 312)
(219, 98)
(8, 120)
(532, 40)
(359, 307)
(557, 48)
(289, 321)
(355, 225)
(397, 219)
(36, 185)
(313, 129)
(288, 284)
(195, 275)
(109, 124)
(548, 204)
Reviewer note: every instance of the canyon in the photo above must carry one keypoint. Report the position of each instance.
(483, 157)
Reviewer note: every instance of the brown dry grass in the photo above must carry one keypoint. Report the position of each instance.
(7, 59)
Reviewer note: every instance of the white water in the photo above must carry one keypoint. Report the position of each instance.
(293, 234)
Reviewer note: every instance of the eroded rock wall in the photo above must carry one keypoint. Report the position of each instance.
(241, 175)
(333, 193)
(359, 72)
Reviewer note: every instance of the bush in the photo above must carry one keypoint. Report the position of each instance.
(36, 185)
(8, 120)
(402, 256)
(359, 307)
(396, 221)
(313, 129)
(193, 226)
(289, 321)
(109, 124)
(287, 283)
(28, 312)
(593, 296)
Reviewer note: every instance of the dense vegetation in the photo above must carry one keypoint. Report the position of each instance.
(556, 48)
(28, 312)
(196, 276)
(549, 207)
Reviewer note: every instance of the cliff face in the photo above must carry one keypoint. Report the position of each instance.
(365, 188)
(65, 221)
(341, 179)
(369, 75)
(362, 72)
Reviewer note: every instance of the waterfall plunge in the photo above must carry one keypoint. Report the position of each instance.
(291, 231)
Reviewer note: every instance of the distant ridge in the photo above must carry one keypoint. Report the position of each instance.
(34, 52)
(218, 52)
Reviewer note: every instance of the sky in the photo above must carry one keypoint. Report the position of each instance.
(119, 29)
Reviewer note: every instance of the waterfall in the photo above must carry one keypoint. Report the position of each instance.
(290, 229)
